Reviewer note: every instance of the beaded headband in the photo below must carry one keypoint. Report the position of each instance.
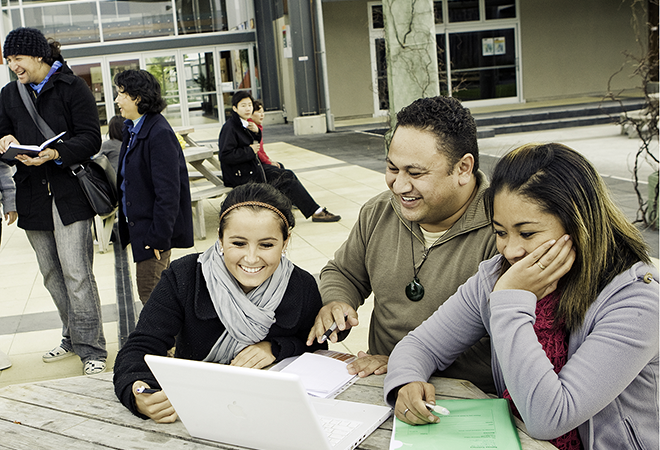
(263, 205)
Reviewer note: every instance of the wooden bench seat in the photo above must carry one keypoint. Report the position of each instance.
(196, 197)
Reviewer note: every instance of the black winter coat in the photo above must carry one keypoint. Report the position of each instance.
(157, 191)
(66, 104)
(238, 160)
(180, 306)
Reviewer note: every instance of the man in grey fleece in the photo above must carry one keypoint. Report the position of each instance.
(415, 244)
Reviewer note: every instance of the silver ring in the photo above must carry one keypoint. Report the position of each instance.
(538, 263)
(406, 412)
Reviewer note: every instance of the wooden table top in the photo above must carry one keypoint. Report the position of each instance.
(83, 413)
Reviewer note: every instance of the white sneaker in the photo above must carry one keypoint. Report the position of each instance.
(56, 354)
(93, 366)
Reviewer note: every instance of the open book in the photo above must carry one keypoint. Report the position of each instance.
(31, 150)
(323, 373)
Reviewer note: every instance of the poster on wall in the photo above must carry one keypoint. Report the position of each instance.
(487, 46)
(286, 41)
(499, 44)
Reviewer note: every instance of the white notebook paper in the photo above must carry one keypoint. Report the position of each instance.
(322, 376)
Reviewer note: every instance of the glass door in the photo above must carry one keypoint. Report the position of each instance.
(115, 67)
(378, 60)
(93, 76)
(483, 64)
(235, 75)
(201, 88)
(164, 68)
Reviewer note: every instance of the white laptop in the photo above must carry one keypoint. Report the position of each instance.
(260, 409)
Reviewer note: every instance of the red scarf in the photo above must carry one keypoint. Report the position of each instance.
(554, 341)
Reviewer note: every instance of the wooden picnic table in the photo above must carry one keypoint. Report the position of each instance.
(83, 413)
(196, 155)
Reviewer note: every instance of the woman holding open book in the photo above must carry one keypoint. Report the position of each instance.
(241, 302)
(52, 208)
(571, 307)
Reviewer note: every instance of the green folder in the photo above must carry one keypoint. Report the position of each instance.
(471, 424)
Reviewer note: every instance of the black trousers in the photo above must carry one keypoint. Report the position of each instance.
(287, 182)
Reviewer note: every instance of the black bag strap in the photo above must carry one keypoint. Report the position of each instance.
(39, 121)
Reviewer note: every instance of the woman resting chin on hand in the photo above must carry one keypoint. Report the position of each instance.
(570, 305)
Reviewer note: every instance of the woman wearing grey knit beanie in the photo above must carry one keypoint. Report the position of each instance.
(51, 206)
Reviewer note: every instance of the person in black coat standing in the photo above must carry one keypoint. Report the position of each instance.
(155, 213)
(51, 206)
(240, 164)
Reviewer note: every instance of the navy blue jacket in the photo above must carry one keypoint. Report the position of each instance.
(238, 160)
(157, 191)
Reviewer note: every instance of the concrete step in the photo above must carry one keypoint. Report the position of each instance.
(550, 124)
(557, 112)
(547, 118)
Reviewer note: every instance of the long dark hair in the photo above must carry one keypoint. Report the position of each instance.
(563, 183)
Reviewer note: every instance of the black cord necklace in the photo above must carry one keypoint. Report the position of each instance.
(414, 289)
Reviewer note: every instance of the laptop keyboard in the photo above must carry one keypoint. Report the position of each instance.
(337, 429)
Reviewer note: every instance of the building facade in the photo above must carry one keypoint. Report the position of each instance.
(489, 51)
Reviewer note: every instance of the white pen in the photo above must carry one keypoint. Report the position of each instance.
(437, 408)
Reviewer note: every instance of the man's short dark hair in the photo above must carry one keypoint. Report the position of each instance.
(140, 83)
(451, 123)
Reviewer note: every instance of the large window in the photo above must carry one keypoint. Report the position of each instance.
(477, 50)
(95, 21)
(197, 84)
(483, 64)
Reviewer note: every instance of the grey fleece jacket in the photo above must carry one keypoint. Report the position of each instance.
(608, 388)
(377, 258)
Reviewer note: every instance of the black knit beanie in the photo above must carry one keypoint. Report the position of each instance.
(26, 41)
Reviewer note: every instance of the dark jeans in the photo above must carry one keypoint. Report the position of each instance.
(287, 182)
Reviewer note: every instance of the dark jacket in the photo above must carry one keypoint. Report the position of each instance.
(181, 306)
(239, 163)
(157, 191)
(66, 104)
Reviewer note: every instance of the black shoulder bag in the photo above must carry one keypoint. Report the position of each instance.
(97, 177)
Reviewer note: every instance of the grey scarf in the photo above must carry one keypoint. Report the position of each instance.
(247, 317)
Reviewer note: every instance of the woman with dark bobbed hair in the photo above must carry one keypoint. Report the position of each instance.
(241, 302)
(155, 213)
(570, 304)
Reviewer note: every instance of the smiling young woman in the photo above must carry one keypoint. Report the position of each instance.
(241, 302)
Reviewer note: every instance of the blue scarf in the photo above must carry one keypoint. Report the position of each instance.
(38, 87)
